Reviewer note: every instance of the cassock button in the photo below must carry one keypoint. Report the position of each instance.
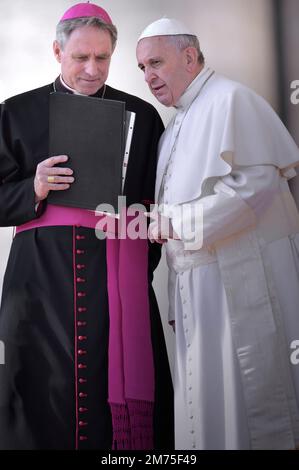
(82, 338)
(82, 395)
(80, 266)
(81, 323)
(82, 381)
(82, 409)
(83, 438)
(81, 352)
(82, 366)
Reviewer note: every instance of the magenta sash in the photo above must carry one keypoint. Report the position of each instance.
(131, 367)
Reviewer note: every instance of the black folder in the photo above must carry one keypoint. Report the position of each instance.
(91, 131)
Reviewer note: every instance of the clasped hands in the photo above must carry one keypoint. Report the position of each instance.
(160, 229)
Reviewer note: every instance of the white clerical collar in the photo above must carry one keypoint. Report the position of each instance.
(193, 89)
(75, 92)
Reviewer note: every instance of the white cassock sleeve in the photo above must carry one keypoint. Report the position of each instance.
(238, 199)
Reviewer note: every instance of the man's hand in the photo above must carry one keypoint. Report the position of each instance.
(51, 178)
(160, 230)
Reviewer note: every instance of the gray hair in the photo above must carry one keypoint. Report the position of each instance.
(182, 41)
(65, 28)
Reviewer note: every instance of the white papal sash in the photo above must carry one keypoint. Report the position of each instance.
(273, 417)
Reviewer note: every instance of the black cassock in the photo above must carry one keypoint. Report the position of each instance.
(41, 406)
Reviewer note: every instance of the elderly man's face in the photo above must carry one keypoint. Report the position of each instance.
(85, 59)
(164, 67)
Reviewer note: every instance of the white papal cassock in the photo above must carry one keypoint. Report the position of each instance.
(236, 299)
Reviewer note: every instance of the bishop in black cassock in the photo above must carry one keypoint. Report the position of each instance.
(41, 405)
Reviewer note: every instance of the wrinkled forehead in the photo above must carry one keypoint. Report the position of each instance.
(155, 46)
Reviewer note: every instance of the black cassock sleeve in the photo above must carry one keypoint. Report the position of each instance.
(17, 199)
(149, 188)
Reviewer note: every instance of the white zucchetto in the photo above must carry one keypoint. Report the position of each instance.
(165, 27)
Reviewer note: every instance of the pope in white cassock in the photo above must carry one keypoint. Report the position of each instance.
(225, 160)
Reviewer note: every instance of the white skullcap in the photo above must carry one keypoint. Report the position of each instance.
(165, 27)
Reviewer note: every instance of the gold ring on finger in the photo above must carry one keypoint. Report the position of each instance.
(50, 179)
